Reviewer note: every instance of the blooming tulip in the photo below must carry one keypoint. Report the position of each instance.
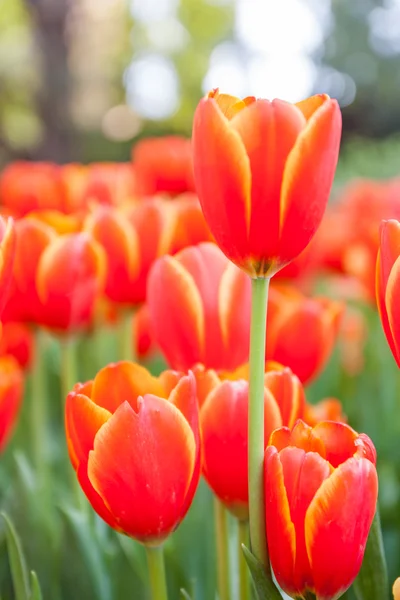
(321, 491)
(133, 441)
(388, 284)
(17, 340)
(7, 253)
(11, 392)
(200, 309)
(263, 172)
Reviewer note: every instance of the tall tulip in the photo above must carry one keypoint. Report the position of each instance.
(321, 492)
(388, 284)
(263, 172)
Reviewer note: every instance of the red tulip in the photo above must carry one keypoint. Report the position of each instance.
(200, 309)
(11, 392)
(17, 340)
(134, 443)
(263, 173)
(321, 491)
(388, 284)
(7, 255)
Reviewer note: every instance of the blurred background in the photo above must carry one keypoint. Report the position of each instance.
(80, 80)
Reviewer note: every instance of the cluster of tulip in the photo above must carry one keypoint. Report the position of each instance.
(179, 261)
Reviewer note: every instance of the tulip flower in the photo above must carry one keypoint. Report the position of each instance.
(294, 318)
(7, 253)
(11, 392)
(69, 280)
(263, 172)
(144, 345)
(190, 227)
(388, 284)
(224, 427)
(396, 589)
(134, 444)
(17, 340)
(163, 165)
(321, 492)
(199, 307)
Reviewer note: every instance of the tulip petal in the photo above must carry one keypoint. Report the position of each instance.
(178, 324)
(223, 179)
(123, 381)
(94, 498)
(339, 441)
(269, 131)
(308, 178)
(288, 393)
(310, 105)
(83, 419)
(281, 533)
(337, 525)
(392, 303)
(142, 465)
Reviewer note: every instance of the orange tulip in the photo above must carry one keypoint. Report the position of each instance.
(27, 186)
(329, 409)
(224, 426)
(388, 284)
(396, 589)
(133, 441)
(11, 392)
(293, 319)
(263, 173)
(163, 165)
(69, 280)
(17, 340)
(321, 490)
(190, 227)
(144, 345)
(200, 309)
(7, 254)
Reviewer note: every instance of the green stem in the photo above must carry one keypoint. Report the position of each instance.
(221, 535)
(158, 582)
(244, 582)
(68, 367)
(126, 347)
(259, 299)
(38, 406)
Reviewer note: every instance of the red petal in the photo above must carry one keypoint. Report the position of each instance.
(392, 297)
(288, 393)
(142, 466)
(337, 526)
(95, 500)
(307, 179)
(339, 441)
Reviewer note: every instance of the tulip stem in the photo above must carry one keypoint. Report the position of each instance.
(39, 405)
(221, 535)
(244, 582)
(125, 336)
(158, 582)
(68, 368)
(259, 298)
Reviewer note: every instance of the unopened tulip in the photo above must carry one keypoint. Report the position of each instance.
(263, 172)
(321, 490)
(388, 284)
(200, 309)
(133, 441)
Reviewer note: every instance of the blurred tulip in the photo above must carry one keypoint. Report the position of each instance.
(329, 409)
(7, 255)
(396, 589)
(388, 284)
(163, 165)
(190, 225)
(28, 186)
(144, 345)
(321, 491)
(70, 278)
(11, 392)
(109, 183)
(353, 336)
(200, 309)
(263, 173)
(17, 340)
(60, 222)
(301, 331)
(134, 444)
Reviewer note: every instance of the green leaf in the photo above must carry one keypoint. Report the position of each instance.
(184, 595)
(372, 580)
(265, 587)
(19, 571)
(36, 593)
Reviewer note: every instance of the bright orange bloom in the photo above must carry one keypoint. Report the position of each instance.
(224, 426)
(144, 345)
(7, 256)
(27, 186)
(321, 490)
(388, 284)
(17, 340)
(328, 409)
(163, 165)
(190, 227)
(59, 221)
(11, 392)
(396, 589)
(69, 280)
(263, 173)
(200, 309)
(301, 331)
(133, 441)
